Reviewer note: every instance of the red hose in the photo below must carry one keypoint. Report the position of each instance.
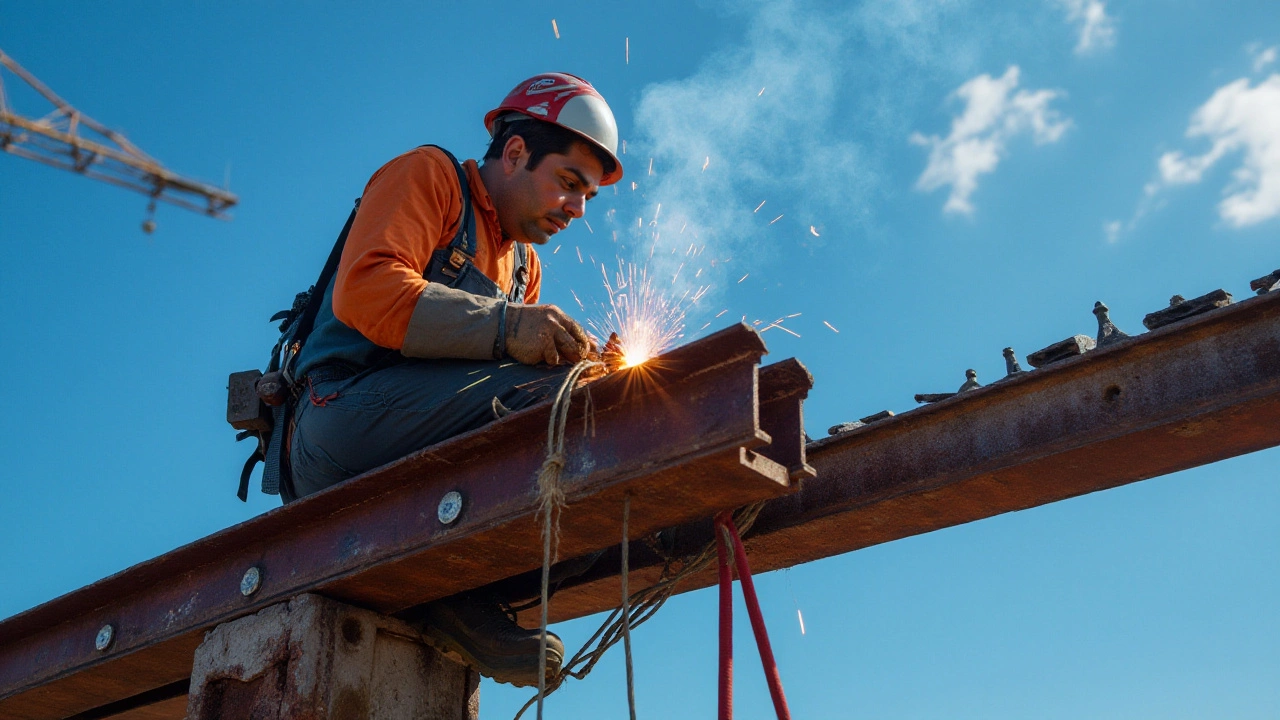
(724, 523)
(724, 707)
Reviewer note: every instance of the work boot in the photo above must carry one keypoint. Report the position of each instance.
(488, 639)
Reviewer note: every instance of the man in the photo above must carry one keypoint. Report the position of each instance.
(437, 286)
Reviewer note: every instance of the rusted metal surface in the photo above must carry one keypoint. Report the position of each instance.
(1073, 346)
(1192, 393)
(1181, 309)
(683, 435)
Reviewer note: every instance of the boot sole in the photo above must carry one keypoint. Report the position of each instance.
(515, 673)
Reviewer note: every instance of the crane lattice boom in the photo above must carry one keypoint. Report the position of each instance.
(67, 138)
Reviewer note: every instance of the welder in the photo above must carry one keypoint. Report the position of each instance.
(431, 324)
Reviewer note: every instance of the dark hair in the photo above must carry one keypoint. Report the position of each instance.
(542, 139)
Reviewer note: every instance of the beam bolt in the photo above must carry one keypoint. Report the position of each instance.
(105, 636)
(450, 507)
(251, 581)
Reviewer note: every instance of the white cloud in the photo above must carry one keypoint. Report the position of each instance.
(1112, 230)
(1097, 29)
(1241, 119)
(1262, 57)
(993, 114)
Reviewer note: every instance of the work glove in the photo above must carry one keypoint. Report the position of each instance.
(544, 334)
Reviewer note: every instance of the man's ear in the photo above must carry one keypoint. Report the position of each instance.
(514, 154)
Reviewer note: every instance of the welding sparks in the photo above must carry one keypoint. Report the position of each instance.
(646, 319)
(762, 202)
(833, 329)
(814, 231)
(486, 377)
(579, 251)
(650, 166)
(744, 277)
(775, 220)
(553, 252)
(575, 297)
(628, 51)
(555, 28)
(722, 312)
(624, 149)
(705, 163)
(584, 222)
(801, 618)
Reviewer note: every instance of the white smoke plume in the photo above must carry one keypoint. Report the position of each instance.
(790, 117)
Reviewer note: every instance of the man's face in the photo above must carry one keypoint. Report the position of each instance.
(543, 201)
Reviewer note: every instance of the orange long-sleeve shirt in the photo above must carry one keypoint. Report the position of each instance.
(411, 208)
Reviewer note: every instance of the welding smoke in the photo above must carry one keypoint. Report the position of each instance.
(793, 116)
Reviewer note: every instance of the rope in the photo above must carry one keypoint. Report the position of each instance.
(727, 534)
(551, 501)
(626, 607)
(643, 605)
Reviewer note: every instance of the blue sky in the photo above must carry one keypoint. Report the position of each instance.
(952, 178)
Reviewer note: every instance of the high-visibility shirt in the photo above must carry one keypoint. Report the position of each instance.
(411, 207)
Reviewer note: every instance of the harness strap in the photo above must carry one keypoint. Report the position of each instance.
(463, 246)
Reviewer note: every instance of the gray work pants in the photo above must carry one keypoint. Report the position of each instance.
(345, 427)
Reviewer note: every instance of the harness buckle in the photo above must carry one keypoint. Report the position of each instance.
(457, 259)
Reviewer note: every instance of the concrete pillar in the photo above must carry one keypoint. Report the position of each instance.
(312, 658)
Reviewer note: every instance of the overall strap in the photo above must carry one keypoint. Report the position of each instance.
(463, 246)
(307, 320)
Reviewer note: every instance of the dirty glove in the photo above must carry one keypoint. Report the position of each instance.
(544, 334)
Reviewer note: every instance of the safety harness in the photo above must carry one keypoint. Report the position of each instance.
(453, 266)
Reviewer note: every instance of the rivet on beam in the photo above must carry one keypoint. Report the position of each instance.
(970, 383)
(1108, 333)
(450, 507)
(105, 637)
(251, 581)
(1011, 366)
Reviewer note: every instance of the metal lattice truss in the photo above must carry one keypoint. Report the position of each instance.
(67, 138)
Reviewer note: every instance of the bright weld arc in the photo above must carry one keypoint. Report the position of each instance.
(646, 320)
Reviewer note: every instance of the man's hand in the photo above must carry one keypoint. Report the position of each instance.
(544, 334)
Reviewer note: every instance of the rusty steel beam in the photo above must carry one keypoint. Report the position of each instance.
(681, 435)
(1188, 394)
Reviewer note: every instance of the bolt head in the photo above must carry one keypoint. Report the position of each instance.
(251, 581)
(105, 636)
(450, 507)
